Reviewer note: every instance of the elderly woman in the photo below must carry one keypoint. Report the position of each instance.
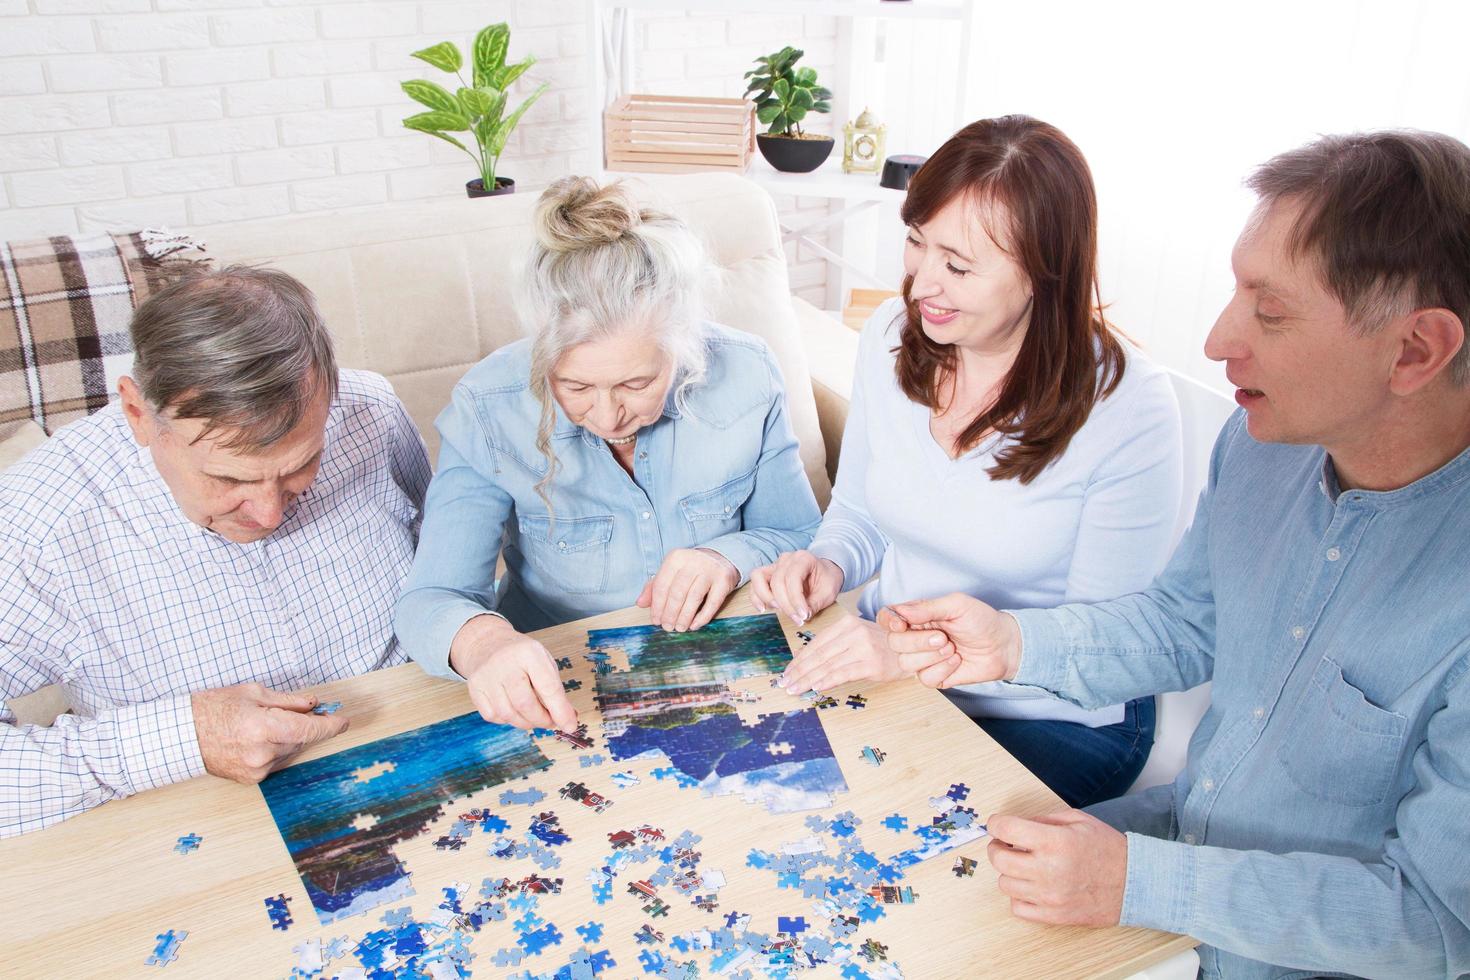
(1004, 441)
(627, 452)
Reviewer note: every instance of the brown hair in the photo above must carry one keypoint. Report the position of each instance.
(1069, 359)
(1386, 218)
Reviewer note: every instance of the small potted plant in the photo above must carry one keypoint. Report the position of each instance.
(478, 108)
(784, 94)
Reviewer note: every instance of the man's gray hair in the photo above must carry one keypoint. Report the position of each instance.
(245, 349)
(602, 264)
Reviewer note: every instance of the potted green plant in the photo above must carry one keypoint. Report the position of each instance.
(783, 95)
(477, 108)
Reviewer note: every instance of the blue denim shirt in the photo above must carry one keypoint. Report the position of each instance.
(724, 474)
(1323, 820)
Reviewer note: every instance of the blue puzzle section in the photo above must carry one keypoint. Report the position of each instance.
(188, 844)
(279, 912)
(167, 948)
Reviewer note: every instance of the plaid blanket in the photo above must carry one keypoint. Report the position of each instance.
(65, 304)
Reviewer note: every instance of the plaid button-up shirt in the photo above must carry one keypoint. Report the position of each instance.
(107, 589)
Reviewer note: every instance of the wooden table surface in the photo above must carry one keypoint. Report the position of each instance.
(88, 896)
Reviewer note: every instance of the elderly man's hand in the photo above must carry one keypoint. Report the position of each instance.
(690, 587)
(512, 678)
(1065, 868)
(248, 731)
(955, 639)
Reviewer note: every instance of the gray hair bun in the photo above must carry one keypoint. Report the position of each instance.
(575, 213)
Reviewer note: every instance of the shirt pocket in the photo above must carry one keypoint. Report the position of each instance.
(571, 552)
(1338, 747)
(711, 513)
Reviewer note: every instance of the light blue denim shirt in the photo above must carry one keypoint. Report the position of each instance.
(1323, 820)
(723, 474)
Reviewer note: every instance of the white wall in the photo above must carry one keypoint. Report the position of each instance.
(1174, 104)
(121, 113)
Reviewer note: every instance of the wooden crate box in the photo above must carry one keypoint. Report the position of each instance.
(678, 134)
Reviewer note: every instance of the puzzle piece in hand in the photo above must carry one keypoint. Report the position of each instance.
(277, 908)
(167, 948)
(188, 844)
(327, 708)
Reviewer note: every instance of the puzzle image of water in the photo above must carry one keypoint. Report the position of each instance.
(340, 828)
(675, 697)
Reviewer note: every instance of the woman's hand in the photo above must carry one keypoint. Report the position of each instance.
(512, 679)
(798, 584)
(851, 649)
(689, 589)
(955, 639)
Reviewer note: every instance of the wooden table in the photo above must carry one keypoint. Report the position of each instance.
(88, 896)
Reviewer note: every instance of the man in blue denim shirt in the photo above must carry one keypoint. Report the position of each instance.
(1322, 823)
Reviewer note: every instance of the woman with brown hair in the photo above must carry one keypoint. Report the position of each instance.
(1003, 441)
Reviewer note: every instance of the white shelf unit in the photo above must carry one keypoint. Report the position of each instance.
(863, 257)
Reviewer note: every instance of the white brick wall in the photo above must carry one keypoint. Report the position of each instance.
(123, 113)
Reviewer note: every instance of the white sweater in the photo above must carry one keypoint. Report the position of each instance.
(1095, 524)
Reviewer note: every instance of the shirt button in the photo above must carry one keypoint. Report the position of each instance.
(1208, 785)
(727, 508)
(1189, 838)
(1333, 554)
(645, 515)
(643, 454)
(1259, 713)
(562, 545)
(1298, 632)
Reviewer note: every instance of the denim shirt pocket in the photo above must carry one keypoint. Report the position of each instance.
(1339, 747)
(571, 552)
(711, 513)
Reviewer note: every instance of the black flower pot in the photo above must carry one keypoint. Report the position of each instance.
(476, 187)
(794, 156)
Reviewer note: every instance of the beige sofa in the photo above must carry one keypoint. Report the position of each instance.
(420, 292)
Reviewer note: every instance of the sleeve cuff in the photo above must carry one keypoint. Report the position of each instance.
(1159, 893)
(1044, 648)
(157, 742)
(738, 551)
(431, 649)
(841, 556)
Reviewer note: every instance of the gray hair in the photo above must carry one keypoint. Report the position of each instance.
(602, 265)
(1386, 218)
(242, 348)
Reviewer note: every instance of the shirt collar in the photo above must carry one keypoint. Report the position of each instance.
(1450, 476)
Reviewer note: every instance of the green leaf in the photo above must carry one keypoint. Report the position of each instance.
(796, 113)
(424, 128)
(782, 88)
(779, 124)
(433, 95)
(502, 132)
(497, 103)
(443, 56)
(510, 73)
(489, 52)
(823, 106)
(767, 113)
(473, 102)
(451, 121)
(802, 98)
(806, 76)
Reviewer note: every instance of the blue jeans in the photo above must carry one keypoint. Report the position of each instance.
(1081, 765)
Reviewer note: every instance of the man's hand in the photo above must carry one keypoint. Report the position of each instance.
(690, 587)
(953, 640)
(247, 731)
(798, 584)
(1066, 868)
(851, 649)
(512, 679)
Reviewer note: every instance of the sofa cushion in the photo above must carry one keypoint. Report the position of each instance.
(26, 437)
(419, 292)
(65, 304)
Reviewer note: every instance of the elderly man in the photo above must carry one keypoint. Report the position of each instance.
(1321, 823)
(235, 527)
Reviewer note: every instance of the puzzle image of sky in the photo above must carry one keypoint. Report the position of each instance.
(341, 815)
(675, 697)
